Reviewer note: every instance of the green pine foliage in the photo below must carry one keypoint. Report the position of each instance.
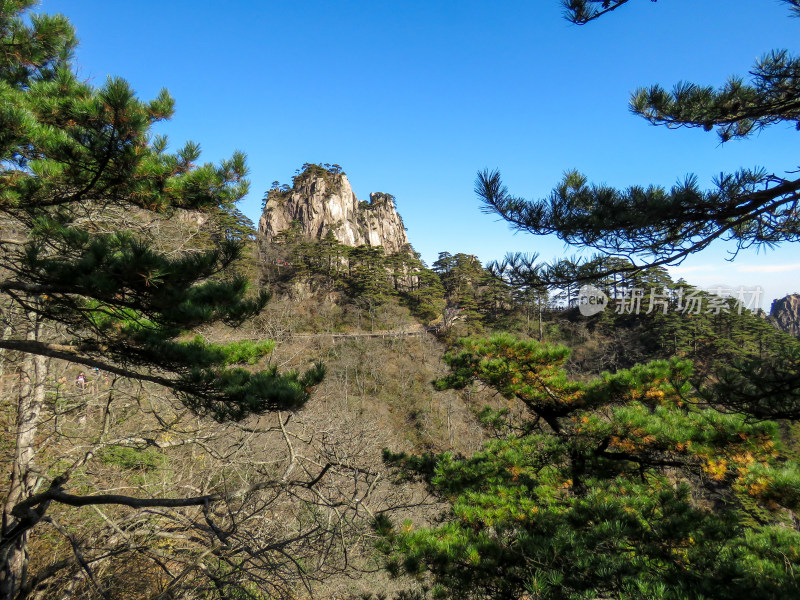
(749, 206)
(648, 315)
(74, 158)
(764, 389)
(480, 299)
(627, 486)
(41, 46)
(368, 275)
(361, 275)
(132, 458)
(641, 483)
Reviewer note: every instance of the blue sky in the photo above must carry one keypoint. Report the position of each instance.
(414, 98)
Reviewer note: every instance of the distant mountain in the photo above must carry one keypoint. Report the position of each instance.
(321, 201)
(785, 313)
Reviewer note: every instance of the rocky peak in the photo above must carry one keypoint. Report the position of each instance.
(321, 200)
(785, 313)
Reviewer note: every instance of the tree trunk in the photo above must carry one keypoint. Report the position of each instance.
(13, 551)
(541, 331)
(8, 329)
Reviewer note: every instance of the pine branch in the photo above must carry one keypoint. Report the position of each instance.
(72, 354)
(581, 12)
(666, 226)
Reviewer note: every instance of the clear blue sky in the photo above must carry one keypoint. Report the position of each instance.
(413, 98)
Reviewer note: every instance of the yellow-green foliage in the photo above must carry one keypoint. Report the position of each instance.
(128, 458)
(624, 487)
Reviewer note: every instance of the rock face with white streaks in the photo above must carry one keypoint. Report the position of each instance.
(321, 201)
(785, 313)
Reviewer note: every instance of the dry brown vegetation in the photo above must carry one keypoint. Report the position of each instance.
(296, 492)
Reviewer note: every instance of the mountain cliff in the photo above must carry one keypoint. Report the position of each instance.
(321, 201)
(785, 313)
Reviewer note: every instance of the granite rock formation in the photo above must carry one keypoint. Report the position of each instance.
(321, 201)
(785, 314)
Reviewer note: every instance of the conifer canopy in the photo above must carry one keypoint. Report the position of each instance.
(626, 486)
(82, 176)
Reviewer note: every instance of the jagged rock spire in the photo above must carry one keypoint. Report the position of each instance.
(321, 200)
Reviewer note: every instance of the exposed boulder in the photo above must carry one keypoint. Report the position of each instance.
(785, 313)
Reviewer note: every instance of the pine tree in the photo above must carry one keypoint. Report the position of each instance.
(426, 300)
(529, 291)
(636, 485)
(658, 226)
(369, 278)
(81, 176)
(461, 275)
(625, 487)
(652, 226)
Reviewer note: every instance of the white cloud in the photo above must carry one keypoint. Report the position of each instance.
(768, 268)
(682, 270)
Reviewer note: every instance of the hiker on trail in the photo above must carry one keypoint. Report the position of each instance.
(80, 381)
